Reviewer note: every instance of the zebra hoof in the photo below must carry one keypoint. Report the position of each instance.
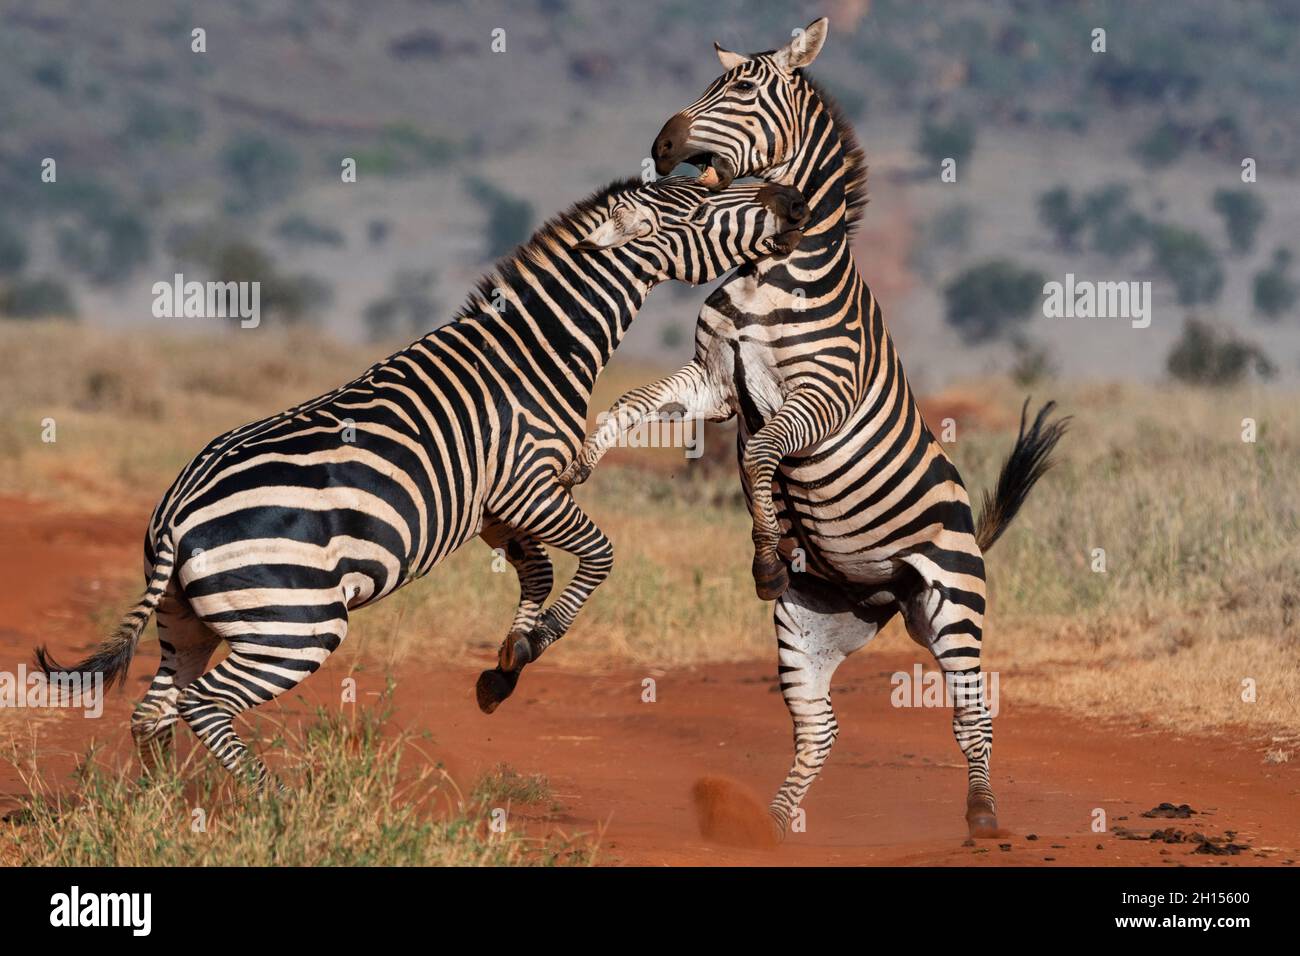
(982, 820)
(493, 687)
(771, 579)
(515, 652)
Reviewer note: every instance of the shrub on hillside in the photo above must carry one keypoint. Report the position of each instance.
(989, 300)
(1114, 228)
(1190, 263)
(261, 171)
(1058, 214)
(302, 230)
(952, 140)
(1164, 144)
(36, 299)
(1204, 355)
(1275, 293)
(1104, 215)
(1242, 212)
(106, 247)
(509, 218)
(13, 250)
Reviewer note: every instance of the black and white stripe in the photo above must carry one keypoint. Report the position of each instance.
(858, 514)
(281, 528)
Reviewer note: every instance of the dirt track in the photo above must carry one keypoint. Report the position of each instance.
(892, 792)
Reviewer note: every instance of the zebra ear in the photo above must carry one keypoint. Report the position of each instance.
(610, 234)
(728, 59)
(803, 46)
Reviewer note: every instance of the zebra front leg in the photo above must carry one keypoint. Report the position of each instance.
(804, 419)
(687, 393)
(947, 618)
(817, 626)
(556, 520)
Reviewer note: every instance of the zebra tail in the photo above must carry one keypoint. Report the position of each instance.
(113, 657)
(1028, 461)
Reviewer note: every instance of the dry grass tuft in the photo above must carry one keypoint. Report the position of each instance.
(358, 798)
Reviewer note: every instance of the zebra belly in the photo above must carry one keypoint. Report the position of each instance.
(815, 525)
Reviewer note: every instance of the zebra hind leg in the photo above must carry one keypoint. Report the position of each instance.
(949, 622)
(267, 658)
(187, 645)
(817, 626)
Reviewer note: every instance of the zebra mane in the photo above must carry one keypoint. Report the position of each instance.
(556, 230)
(855, 160)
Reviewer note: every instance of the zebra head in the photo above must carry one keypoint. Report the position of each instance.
(746, 123)
(680, 229)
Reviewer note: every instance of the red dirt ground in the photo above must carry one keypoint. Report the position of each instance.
(716, 737)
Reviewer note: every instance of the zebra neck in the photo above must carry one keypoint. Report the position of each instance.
(574, 309)
(818, 171)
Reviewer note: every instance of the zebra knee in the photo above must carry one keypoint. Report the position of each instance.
(602, 558)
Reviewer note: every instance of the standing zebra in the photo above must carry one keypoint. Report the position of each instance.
(277, 530)
(799, 353)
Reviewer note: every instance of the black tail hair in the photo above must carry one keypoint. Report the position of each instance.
(1028, 461)
(113, 657)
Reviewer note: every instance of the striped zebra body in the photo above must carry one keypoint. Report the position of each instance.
(858, 514)
(279, 529)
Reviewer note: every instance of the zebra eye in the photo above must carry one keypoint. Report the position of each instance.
(743, 86)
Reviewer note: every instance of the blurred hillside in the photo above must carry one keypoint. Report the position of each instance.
(1115, 166)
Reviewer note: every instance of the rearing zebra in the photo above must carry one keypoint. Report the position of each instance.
(799, 353)
(279, 529)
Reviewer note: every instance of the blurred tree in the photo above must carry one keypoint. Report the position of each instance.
(952, 140)
(13, 250)
(1114, 228)
(1242, 212)
(988, 300)
(1033, 363)
(1161, 75)
(1057, 212)
(1274, 291)
(150, 122)
(302, 230)
(1164, 144)
(510, 219)
(51, 74)
(1203, 355)
(1190, 263)
(36, 299)
(106, 246)
(291, 299)
(261, 171)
